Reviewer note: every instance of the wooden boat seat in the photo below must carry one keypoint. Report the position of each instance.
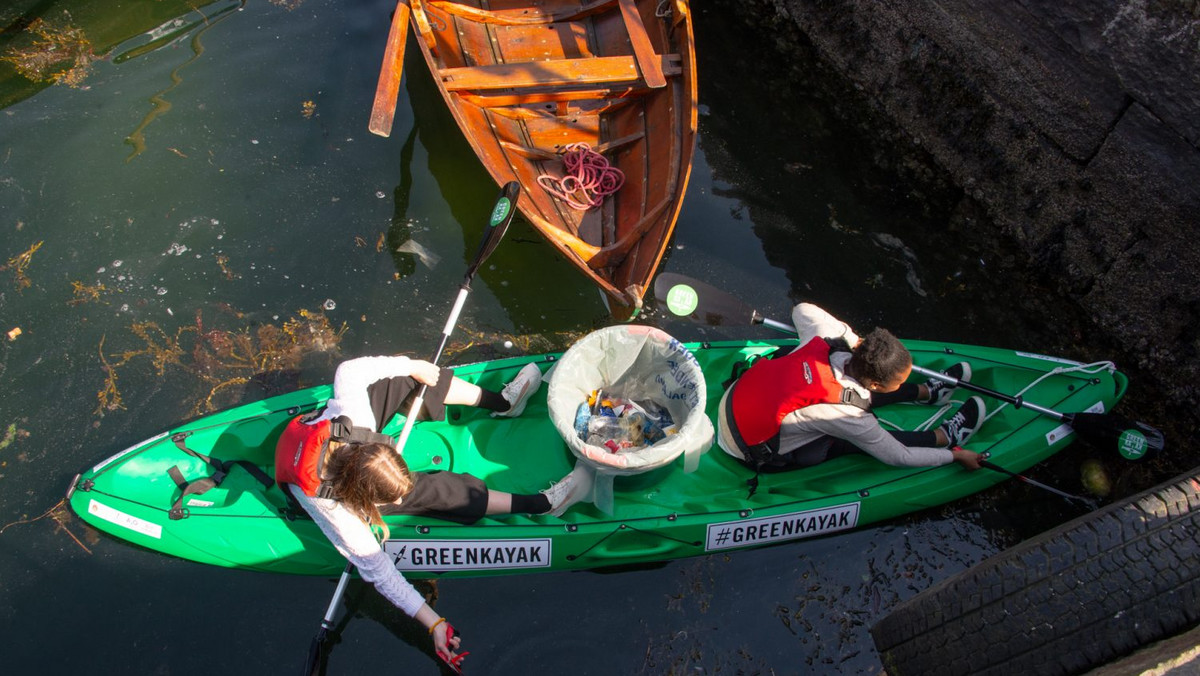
(553, 73)
(522, 16)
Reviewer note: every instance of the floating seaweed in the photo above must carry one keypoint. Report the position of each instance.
(57, 52)
(85, 293)
(19, 263)
(222, 262)
(482, 345)
(11, 434)
(60, 515)
(221, 358)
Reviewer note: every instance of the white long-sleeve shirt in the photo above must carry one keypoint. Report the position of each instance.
(843, 421)
(348, 533)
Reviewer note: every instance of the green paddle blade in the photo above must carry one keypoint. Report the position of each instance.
(498, 220)
(695, 300)
(1133, 440)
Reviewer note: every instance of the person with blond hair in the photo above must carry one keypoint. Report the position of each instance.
(348, 476)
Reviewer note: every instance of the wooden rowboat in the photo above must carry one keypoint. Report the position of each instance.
(526, 79)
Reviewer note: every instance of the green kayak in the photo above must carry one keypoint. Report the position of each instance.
(662, 514)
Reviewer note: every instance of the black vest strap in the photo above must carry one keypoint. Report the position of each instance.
(340, 429)
(849, 396)
(202, 485)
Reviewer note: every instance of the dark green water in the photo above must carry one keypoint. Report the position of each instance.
(185, 177)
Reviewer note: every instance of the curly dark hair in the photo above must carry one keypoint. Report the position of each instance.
(880, 357)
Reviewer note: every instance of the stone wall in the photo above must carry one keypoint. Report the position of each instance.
(1074, 125)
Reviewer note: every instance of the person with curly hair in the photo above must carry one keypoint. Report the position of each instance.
(814, 403)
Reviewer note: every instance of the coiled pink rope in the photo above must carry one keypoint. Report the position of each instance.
(589, 178)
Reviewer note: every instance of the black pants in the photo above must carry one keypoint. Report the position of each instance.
(390, 396)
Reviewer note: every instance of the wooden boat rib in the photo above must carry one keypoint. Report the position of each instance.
(525, 80)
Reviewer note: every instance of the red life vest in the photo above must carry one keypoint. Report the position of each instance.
(300, 451)
(299, 454)
(772, 388)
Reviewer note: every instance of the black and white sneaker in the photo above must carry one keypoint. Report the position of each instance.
(965, 422)
(940, 391)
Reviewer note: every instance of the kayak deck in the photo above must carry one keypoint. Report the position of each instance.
(659, 515)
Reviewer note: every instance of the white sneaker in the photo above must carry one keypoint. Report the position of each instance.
(568, 491)
(517, 392)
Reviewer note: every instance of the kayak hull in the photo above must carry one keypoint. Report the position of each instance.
(661, 515)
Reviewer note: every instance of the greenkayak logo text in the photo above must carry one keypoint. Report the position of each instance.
(441, 555)
(792, 526)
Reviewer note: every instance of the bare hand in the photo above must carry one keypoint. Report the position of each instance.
(425, 373)
(968, 459)
(446, 644)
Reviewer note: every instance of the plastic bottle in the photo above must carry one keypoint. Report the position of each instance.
(582, 415)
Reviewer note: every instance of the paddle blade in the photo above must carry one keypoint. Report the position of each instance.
(693, 299)
(316, 652)
(501, 216)
(388, 88)
(1132, 440)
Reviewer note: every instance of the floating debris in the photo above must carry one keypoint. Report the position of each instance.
(222, 262)
(14, 332)
(484, 346)
(427, 257)
(61, 517)
(835, 224)
(893, 243)
(11, 434)
(307, 109)
(19, 263)
(85, 293)
(219, 358)
(58, 52)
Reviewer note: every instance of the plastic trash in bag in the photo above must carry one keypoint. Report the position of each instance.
(638, 364)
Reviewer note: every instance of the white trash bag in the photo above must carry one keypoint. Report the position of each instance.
(637, 363)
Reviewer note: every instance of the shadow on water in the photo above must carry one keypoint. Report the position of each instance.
(526, 261)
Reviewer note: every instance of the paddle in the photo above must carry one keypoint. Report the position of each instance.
(502, 214)
(693, 299)
(316, 649)
(388, 88)
(1087, 502)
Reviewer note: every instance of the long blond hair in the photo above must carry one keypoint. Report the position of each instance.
(367, 475)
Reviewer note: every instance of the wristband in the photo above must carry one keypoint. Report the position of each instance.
(435, 624)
